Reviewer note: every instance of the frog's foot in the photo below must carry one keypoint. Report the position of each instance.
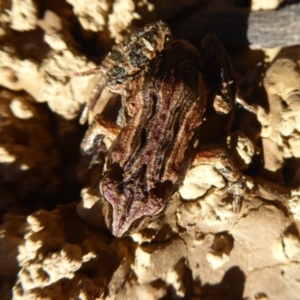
(245, 105)
(239, 189)
(92, 145)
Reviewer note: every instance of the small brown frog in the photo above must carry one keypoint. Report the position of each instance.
(164, 88)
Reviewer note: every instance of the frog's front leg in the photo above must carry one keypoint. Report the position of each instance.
(100, 128)
(218, 157)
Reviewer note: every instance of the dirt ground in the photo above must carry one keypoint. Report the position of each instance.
(54, 243)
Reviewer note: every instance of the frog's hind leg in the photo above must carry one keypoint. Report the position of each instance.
(246, 106)
(220, 78)
(89, 72)
(91, 145)
(218, 74)
(94, 96)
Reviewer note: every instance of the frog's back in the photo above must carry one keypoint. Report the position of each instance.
(149, 159)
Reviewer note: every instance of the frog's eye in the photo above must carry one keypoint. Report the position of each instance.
(167, 38)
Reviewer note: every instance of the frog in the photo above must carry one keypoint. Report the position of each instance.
(165, 86)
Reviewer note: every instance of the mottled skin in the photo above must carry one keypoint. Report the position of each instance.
(163, 107)
(126, 59)
(150, 157)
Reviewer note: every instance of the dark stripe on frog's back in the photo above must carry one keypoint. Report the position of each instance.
(143, 92)
(186, 72)
(123, 149)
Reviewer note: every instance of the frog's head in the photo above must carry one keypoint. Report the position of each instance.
(128, 207)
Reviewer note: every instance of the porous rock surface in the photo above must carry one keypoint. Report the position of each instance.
(53, 240)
